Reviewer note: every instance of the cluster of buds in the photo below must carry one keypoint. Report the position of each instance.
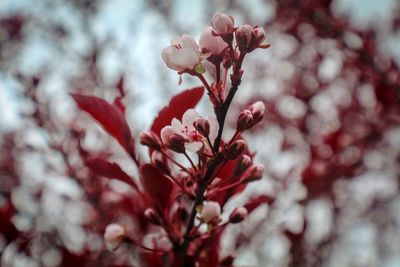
(221, 46)
(251, 116)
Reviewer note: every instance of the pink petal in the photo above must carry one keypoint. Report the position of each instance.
(194, 146)
(166, 132)
(189, 117)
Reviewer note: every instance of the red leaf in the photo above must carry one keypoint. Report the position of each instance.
(176, 107)
(256, 202)
(110, 118)
(156, 185)
(111, 170)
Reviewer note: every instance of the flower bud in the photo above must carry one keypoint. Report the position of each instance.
(260, 36)
(159, 161)
(238, 215)
(152, 216)
(222, 23)
(242, 165)
(235, 149)
(114, 235)
(245, 120)
(255, 173)
(244, 36)
(150, 139)
(202, 126)
(258, 110)
(177, 143)
(210, 211)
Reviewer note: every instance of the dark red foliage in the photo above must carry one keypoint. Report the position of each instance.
(111, 170)
(176, 107)
(156, 185)
(110, 118)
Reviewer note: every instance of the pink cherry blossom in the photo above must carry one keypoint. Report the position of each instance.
(182, 54)
(222, 23)
(194, 141)
(210, 43)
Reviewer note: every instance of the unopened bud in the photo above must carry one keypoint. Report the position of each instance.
(202, 126)
(260, 36)
(244, 36)
(160, 162)
(114, 235)
(238, 215)
(210, 211)
(243, 163)
(254, 173)
(235, 149)
(245, 120)
(152, 217)
(150, 139)
(258, 110)
(176, 143)
(222, 23)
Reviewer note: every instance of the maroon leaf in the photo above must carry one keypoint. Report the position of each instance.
(156, 185)
(110, 118)
(256, 202)
(176, 107)
(111, 170)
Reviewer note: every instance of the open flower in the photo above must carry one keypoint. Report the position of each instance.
(211, 43)
(192, 139)
(182, 54)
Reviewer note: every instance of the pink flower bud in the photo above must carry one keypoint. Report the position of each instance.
(210, 211)
(158, 160)
(222, 23)
(244, 37)
(254, 173)
(182, 54)
(150, 139)
(235, 149)
(172, 140)
(114, 235)
(238, 215)
(202, 126)
(245, 120)
(258, 110)
(210, 43)
(152, 216)
(260, 36)
(242, 165)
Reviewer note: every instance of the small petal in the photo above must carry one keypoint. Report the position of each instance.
(166, 132)
(194, 146)
(189, 117)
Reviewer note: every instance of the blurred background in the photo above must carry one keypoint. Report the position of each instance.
(330, 140)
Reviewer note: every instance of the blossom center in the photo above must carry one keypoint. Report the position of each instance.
(193, 135)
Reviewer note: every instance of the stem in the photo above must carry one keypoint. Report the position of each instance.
(199, 199)
(190, 160)
(220, 112)
(218, 71)
(204, 81)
